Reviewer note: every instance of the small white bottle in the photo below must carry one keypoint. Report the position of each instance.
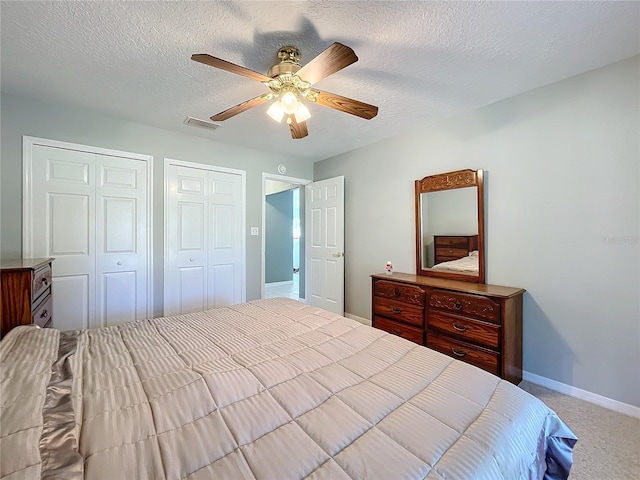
(389, 268)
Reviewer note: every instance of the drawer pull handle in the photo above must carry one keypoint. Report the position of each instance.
(396, 292)
(457, 352)
(396, 310)
(44, 314)
(44, 280)
(460, 328)
(396, 331)
(118, 263)
(457, 305)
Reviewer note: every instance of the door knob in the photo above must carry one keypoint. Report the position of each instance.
(337, 255)
(191, 259)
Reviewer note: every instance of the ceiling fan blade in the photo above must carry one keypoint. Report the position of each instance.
(298, 130)
(331, 60)
(347, 105)
(229, 67)
(241, 107)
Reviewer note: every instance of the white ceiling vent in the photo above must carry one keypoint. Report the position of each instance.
(196, 122)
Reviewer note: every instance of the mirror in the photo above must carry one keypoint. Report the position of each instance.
(450, 226)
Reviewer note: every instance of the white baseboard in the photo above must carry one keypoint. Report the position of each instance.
(365, 321)
(590, 397)
(273, 284)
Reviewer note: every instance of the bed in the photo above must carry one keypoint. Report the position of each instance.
(463, 265)
(270, 389)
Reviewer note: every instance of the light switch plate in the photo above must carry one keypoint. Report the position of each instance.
(255, 231)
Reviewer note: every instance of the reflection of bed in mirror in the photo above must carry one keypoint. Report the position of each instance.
(467, 264)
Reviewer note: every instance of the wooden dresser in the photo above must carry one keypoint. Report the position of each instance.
(453, 247)
(26, 293)
(476, 323)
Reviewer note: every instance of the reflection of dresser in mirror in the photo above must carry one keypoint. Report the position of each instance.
(453, 247)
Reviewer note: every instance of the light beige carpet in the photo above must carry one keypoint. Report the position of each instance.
(608, 445)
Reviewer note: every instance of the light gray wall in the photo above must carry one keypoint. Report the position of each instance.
(278, 258)
(562, 215)
(57, 122)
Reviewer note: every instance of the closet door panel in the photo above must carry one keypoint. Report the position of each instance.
(121, 248)
(62, 225)
(225, 240)
(186, 230)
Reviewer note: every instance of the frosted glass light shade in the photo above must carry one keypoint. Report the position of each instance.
(275, 111)
(289, 103)
(302, 113)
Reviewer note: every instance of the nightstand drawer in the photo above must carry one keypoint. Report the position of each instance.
(480, 357)
(405, 331)
(402, 312)
(454, 253)
(43, 313)
(41, 281)
(454, 242)
(467, 329)
(469, 305)
(399, 291)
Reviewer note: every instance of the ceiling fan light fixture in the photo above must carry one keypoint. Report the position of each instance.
(275, 111)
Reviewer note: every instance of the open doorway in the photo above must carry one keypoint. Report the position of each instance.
(283, 267)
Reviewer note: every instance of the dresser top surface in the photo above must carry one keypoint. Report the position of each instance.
(24, 263)
(458, 286)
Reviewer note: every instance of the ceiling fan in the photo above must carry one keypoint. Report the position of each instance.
(290, 84)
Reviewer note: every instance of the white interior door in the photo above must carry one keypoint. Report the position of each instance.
(324, 214)
(121, 250)
(204, 247)
(62, 223)
(88, 211)
(185, 281)
(225, 239)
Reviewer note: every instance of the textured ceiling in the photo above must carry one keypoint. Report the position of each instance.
(418, 61)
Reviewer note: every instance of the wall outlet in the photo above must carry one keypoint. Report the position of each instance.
(255, 231)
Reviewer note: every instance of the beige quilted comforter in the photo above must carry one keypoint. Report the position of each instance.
(269, 389)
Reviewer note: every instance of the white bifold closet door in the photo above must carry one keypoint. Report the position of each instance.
(89, 212)
(204, 257)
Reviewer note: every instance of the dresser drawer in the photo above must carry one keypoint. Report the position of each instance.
(41, 281)
(467, 329)
(43, 313)
(400, 311)
(468, 305)
(480, 357)
(405, 331)
(399, 291)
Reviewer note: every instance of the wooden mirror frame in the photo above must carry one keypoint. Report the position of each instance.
(451, 181)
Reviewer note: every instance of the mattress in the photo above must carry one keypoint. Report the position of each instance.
(271, 389)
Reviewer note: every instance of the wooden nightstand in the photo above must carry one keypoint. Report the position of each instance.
(26, 293)
(453, 247)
